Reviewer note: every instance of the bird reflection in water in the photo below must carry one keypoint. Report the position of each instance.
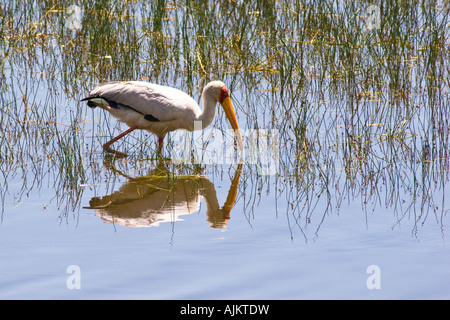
(161, 197)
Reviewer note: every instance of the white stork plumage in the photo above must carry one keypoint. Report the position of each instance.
(160, 109)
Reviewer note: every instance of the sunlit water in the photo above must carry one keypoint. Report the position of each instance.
(260, 254)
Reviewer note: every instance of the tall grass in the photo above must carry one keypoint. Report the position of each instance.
(357, 109)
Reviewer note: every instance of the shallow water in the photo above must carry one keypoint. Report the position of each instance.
(258, 255)
(355, 124)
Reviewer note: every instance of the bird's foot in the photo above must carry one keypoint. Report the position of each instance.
(117, 154)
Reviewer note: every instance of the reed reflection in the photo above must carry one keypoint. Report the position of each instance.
(160, 197)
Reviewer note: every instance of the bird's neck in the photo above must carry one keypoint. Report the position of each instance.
(208, 111)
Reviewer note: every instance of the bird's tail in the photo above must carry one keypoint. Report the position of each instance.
(96, 102)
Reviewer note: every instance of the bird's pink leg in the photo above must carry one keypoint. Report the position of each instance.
(107, 145)
(160, 145)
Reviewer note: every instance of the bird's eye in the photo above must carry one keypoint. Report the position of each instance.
(223, 94)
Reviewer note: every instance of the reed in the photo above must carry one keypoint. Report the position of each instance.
(355, 107)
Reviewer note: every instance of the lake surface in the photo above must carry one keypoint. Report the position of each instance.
(345, 196)
(262, 253)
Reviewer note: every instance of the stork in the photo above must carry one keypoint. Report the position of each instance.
(160, 109)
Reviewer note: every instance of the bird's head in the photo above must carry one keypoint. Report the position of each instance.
(219, 91)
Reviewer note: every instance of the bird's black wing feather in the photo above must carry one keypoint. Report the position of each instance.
(116, 105)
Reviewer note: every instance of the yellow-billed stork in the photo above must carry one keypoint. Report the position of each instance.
(160, 109)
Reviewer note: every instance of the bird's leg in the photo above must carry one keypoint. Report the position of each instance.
(160, 145)
(107, 146)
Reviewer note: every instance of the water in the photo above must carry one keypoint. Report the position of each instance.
(260, 254)
(355, 210)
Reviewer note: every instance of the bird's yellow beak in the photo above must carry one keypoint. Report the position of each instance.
(229, 112)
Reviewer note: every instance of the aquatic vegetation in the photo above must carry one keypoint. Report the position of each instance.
(360, 102)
